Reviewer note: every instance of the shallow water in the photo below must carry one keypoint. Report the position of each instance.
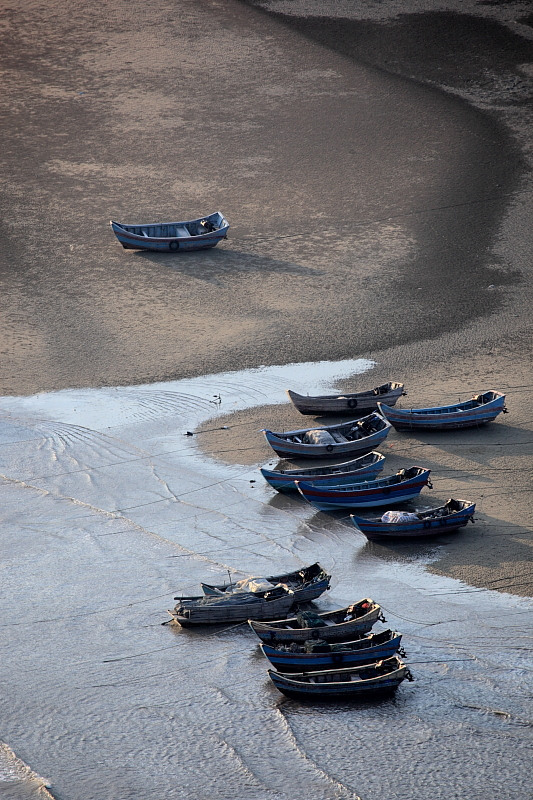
(109, 511)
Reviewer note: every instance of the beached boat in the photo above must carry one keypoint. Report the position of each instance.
(406, 524)
(404, 485)
(480, 409)
(346, 439)
(331, 626)
(194, 234)
(347, 404)
(306, 584)
(354, 683)
(363, 468)
(318, 654)
(204, 610)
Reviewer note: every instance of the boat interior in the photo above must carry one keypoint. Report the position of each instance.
(399, 477)
(345, 433)
(180, 230)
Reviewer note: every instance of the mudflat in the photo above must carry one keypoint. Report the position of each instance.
(377, 183)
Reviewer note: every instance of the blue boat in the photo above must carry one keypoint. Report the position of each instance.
(353, 683)
(352, 438)
(404, 485)
(194, 234)
(480, 409)
(316, 654)
(366, 467)
(454, 514)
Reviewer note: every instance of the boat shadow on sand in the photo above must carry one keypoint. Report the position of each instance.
(212, 264)
(472, 547)
(457, 442)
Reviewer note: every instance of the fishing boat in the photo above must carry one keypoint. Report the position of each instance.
(404, 485)
(352, 683)
(346, 439)
(331, 626)
(347, 404)
(306, 584)
(204, 610)
(480, 409)
(452, 515)
(318, 654)
(194, 234)
(367, 467)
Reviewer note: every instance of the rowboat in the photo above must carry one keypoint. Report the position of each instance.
(332, 626)
(478, 410)
(347, 404)
(346, 439)
(306, 584)
(367, 466)
(317, 654)
(353, 683)
(194, 234)
(405, 525)
(404, 485)
(274, 604)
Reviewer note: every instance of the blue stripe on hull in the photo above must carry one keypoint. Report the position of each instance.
(440, 424)
(319, 451)
(397, 527)
(135, 244)
(285, 662)
(364, 502)
(325, 499)
(467, 415)
(338, 480)
(320, 691)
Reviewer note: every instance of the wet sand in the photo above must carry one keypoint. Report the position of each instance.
(372, 215)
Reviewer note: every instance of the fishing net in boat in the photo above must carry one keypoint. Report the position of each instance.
(231, 599)
(308, 619)
(318, 436)
(317, 646)
(399, 516)
(253, 585)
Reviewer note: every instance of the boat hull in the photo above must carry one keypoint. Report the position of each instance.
(269, 631)
(375, 529)
(189, 614)
(306, 584)
(161, 237)
(342, 684)
(365, 494)
(470, 414)
(284, 481)
(285, 661)
(291, 444)
(346, 404)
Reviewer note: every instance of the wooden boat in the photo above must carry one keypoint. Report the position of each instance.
(480, 409)
(332, 626)
(347, 404)
(317, 654)
(353, 683)
(346, 439)
(444, 519)
(404, 485)
(367, 467)
(203, 610)
(194, 234)
(306, 584)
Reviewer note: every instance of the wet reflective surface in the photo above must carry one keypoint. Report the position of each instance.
(111, 511)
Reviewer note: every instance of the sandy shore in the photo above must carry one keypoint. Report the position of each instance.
(373, 215)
